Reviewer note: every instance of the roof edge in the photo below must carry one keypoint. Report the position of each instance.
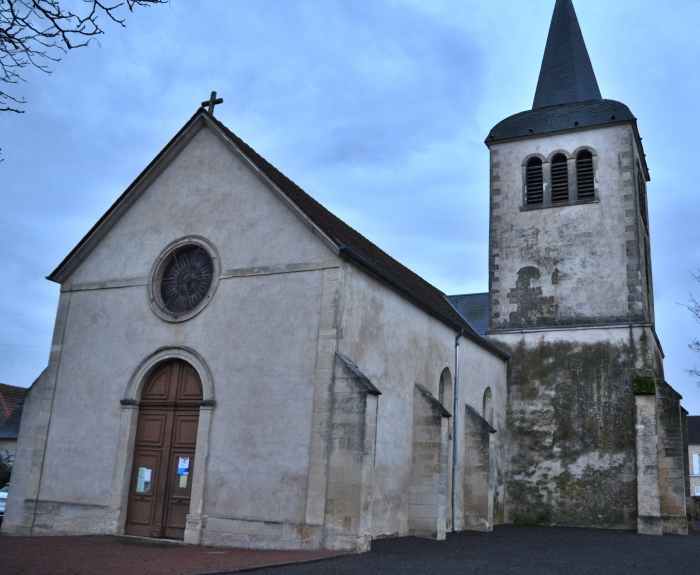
(427, 306)
(222, 131)
(434, 401)
(633, 121)
(140, 183)
(358, 373)
(155, 168)
(480, 419)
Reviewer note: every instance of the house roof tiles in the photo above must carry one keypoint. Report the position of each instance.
(10, 397)
(10, 429)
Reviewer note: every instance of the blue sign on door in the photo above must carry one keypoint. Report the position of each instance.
(183, 466)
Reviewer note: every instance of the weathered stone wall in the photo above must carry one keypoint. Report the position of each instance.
(671, 460)
(573, 264)
(478, 367)
(479, 472)
(687, 466)
(571, 444)
(353, 437)
(649, 520)
(428, 488)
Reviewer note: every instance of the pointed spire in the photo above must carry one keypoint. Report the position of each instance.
(567, 74)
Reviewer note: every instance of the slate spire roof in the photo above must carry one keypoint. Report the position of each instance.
(567, 74)
(567, 97)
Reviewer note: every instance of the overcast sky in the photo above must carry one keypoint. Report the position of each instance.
(377, 108)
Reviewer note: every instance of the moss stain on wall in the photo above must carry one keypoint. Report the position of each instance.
(571, 418)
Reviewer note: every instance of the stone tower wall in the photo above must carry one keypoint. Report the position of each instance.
(576, 264)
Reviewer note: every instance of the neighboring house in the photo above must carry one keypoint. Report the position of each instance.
(11, 399)
(694, 453)
(9, 431)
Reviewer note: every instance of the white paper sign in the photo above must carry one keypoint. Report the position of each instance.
(140, 480)
(183, 466)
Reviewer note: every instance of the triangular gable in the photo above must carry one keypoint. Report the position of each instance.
(335, 233)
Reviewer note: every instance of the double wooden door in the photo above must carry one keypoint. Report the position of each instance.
(166, 436)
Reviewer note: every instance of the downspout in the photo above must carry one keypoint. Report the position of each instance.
(455, 427)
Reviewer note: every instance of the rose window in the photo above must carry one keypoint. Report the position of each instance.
(186, 279)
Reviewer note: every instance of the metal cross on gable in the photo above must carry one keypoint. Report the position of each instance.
(213, 101)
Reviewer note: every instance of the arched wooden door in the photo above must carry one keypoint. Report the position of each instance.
(166, 436)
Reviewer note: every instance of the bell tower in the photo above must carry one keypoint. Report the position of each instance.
(571, 299)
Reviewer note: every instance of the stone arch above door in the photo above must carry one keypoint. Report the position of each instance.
(150, 363)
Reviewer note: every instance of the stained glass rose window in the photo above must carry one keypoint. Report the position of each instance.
(186, 279)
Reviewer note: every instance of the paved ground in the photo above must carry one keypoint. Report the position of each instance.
(129, 556)
(508, 550)
(521, 551)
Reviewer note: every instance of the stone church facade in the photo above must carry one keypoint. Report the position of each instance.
(248, 370)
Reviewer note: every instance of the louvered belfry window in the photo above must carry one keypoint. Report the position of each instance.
(585, 180)
(535, 182)
(560, 179)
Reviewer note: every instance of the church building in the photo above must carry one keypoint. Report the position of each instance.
(234, 365)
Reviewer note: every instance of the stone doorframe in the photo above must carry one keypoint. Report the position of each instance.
(121, 477)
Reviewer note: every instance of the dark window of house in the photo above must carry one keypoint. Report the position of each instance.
(535, 182)
(560, 179)
(584, 176)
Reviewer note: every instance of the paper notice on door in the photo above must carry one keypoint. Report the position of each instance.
(141, 480)
(183, 481)
(183, 466)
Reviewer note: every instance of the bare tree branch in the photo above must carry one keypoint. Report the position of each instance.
(37, 33)
(694, 307)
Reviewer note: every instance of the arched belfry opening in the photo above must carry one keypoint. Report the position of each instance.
(164, 452)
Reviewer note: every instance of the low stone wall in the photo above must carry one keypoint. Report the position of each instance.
(672, 488)
(62, 518)
(222, 532)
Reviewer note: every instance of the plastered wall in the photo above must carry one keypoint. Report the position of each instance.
(398, 345)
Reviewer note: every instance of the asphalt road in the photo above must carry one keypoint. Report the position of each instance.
(519, 550)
